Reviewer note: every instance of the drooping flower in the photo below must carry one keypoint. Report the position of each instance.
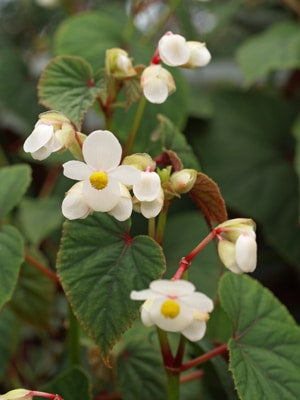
(175, 306)
(51, 133)
(74, 205)
(175, 51)
(237, 246)
(150, 209)
(123, 209)
(101, 173)
(157, 83)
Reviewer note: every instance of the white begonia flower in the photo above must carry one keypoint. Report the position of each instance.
(101, 173)
(237, 246)
(174, 306)
(74, 205)
(147, 187)
(43, 141)
(173, 50)
(157, 83)
(199, 55)
(150, 209)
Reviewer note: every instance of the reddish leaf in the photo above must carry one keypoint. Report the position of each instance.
(207, 196)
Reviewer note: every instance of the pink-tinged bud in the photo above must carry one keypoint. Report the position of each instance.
(16, 394)
(118, 64)
(173, 50)
(237, 246)
(157, 83)
(199, 55)
(183, 181)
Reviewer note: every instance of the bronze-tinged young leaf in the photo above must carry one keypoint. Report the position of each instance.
(99, 264)
(169, 157)
(68, 85)
(265, 353)
(207, 196)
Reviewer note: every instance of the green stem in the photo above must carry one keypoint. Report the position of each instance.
(135, 125)
(151, 227)
(173, 386)
(162, 219)
(73, 339)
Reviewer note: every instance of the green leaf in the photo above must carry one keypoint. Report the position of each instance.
(88, 35)
(170, 138)
(71, 385)
(140, 374)
(281, 42)
(219, 326)
(99, 264)
(204, 272)
(207, 196)
(34, 296)
(264, 355)
(247, 152)
(8, 334)
(296, 132)
(11, 258)
(69, 86)
(14, 182)
(40, 217)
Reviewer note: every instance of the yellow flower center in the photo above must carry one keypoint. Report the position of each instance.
(170, 309)
(99, 180)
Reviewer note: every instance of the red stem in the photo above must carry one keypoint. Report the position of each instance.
(156, 59)
(46, 395)
(43, 269)
(186, 261)
(207, 356)
(191, 377)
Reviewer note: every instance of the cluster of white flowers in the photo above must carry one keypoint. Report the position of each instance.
(237, 246)
(173, 49)
(104, 184)
(175, 306)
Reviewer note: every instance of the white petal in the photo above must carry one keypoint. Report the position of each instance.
(38, 138)
(195, 331)
(146, 317)
(150, 209)
(126, 174)
(184, 318)
(77, 170)
(102, 200)
(173, 50)
(41, 154)
(144, 294)
(172, 288)
(148, 187)
(200, 56)
(198, 301)
(245, 252)
(102, 151)
(74, 206)
(122, 210)
(156, 91)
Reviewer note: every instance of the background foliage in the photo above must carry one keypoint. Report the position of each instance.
(238, 119)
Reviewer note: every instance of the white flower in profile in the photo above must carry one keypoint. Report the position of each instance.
(123, 209)
(199, 55)
(175, 306)
(157, 83)
(237, 246)
(173, 50)
(101, 173)
(74, 206)
(150, 209)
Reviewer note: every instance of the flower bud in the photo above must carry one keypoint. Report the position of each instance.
(118, 64)
(157, 83)
(199, 55)
(183, 181)
(141, 161)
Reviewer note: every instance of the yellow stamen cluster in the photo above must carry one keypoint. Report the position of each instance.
(99, 180)
(170, 309)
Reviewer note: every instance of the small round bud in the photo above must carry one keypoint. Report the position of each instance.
(183, 181)
(199, 55)
(118, 64)
(141, 161)
(157, 83)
